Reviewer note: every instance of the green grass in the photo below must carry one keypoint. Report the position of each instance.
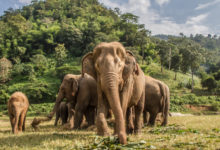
(187, 132)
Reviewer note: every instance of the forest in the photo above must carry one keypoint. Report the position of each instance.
(45, 40)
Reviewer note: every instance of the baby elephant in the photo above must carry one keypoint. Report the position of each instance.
(17, 108)
(62, 112)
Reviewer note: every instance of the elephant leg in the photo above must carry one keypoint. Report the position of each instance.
(23, 127)
(152, 119)
(165, 119)
(80, 109)
(138, 111)
(70, 114)
(21, 121)
(130, 123)
(90, 115)
(145, 117)
(15, 125)
(12, 120)
(102, 110)
(109, 116)
(64, 117)
(57, 118)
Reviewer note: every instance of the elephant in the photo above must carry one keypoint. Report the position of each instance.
(81, 95)
(62, 112)
(17, 109)
(119, 85)
(157, 100)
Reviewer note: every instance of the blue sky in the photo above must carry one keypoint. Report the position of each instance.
(161, 16)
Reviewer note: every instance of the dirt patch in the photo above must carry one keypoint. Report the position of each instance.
(180, 114)
(200, 108)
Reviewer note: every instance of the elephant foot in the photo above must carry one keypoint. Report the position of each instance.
(130, 130)
(163, 124)
(137, 131)
(150, 125)
(104, 133)
(67, 126)
(15, 132)
(122, 138)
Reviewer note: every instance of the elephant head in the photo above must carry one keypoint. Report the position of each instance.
(107, 64)
(68, 88)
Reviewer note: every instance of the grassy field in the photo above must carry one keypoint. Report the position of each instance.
(183, 132)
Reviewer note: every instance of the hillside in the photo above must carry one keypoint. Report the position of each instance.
(45, 40)
(44, 89)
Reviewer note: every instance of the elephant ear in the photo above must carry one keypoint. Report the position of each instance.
(130, 65)
(88, 65)
(74, 86)
(136, 67)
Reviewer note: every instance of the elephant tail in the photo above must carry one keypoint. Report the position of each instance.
(165, 102)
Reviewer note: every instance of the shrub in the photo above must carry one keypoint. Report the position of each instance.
(63, 70)
(209, 83)
(40, 63)
(217, 75)
(26, 70)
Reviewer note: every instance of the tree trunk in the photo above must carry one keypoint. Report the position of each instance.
(161, 67)
(169, 58)
(192, 80)
(142, 55)
(175, 75)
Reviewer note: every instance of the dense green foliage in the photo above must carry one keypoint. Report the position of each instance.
(46, 40)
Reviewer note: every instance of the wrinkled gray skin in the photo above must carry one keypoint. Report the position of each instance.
(157, 100)
(119, 85)
(62, 112)
(81, 95)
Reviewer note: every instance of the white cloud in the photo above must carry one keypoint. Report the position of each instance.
(25, 1)
(161, 2)
(158, 24)
(197, 19)
(203, 6)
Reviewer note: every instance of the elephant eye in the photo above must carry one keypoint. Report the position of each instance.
(97, 66)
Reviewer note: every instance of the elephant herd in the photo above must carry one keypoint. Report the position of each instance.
(111, 82)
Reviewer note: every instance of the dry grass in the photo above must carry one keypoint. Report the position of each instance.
(188, 132)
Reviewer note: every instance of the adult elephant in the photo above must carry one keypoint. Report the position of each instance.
(119, 85)
(157, 100)
(81, 97)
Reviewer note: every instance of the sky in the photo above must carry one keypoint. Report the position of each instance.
(161, 16)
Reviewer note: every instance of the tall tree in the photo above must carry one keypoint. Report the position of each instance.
(163, 51)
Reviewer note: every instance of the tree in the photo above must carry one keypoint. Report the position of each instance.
(5, 69)
(176, 62)
(60, 54)
(192, 56)
(163, 51)
(209, 82)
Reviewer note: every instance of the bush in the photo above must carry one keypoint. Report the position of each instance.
(26, 70)
(63, 70)
(217, 75)
(36, 91)
(4, 96)
(40, 63)
(209, 83)
(185, 84)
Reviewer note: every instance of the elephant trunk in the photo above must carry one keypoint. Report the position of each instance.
(57, 104)
(111, 90)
